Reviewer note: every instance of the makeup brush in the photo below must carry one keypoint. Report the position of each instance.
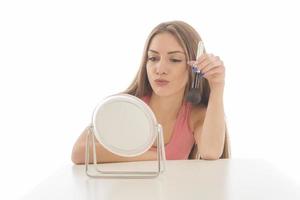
(194, 94)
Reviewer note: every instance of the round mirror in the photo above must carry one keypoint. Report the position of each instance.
(124, 125)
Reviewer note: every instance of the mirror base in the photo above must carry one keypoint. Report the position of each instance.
(99, 173)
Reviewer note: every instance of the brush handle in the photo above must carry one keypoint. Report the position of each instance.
(200, 49)
(198, 74)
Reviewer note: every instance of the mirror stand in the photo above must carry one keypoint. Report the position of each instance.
(98, 173)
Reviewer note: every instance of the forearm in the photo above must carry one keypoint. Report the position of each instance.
(212, 136)
(105, 156)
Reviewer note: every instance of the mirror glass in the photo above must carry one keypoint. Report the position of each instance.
(124, 125)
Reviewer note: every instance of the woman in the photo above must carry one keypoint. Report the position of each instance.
(163, 82)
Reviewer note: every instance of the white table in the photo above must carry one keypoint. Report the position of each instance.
(185, 180)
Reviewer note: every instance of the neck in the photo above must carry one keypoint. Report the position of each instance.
(166, 107)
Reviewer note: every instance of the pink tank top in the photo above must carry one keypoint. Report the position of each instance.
(182, 138)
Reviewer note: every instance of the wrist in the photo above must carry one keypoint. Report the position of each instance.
(216, 94)
(217, 89)
(217, 85)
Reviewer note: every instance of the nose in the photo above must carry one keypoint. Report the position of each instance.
(161, 67)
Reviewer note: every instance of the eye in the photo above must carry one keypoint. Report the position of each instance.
(175, 60)
(152, 59)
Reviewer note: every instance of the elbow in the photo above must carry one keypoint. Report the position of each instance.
(78, 156)
(210, 155)
(76, 160)
(212, 152)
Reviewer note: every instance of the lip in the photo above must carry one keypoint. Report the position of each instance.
(161, 82)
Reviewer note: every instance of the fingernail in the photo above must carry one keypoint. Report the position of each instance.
(195, 69)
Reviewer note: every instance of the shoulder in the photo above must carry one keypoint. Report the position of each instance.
(197, 116)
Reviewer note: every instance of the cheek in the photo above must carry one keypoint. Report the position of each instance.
(148, 70)
(182, 76)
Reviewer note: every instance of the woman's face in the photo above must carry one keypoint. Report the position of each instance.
(166, 65)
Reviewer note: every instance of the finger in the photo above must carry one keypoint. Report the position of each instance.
(211, 66)
(207, 61)
(196, 62)
(204, 62)
(191, 62)
(214, 71)
(201, 58)
(195, 65)
(205, 56)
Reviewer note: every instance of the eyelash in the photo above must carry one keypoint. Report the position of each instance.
(173, 60)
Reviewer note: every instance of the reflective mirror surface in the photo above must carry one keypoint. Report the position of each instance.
(124, 125)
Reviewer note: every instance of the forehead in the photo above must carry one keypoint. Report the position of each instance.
(165, 42)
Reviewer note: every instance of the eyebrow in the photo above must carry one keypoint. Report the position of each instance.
(170, 52)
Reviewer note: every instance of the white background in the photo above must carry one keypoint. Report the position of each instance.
(59, 58)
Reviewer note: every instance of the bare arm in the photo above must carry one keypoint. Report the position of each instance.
(103, 155)
(210, 134)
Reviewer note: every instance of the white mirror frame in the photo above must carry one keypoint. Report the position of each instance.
(93, 133)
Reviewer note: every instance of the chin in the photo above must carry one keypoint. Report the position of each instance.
(163, 92)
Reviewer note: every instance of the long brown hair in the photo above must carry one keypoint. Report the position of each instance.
(188, 38)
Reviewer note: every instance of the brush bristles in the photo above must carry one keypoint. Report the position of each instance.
(194, 96)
